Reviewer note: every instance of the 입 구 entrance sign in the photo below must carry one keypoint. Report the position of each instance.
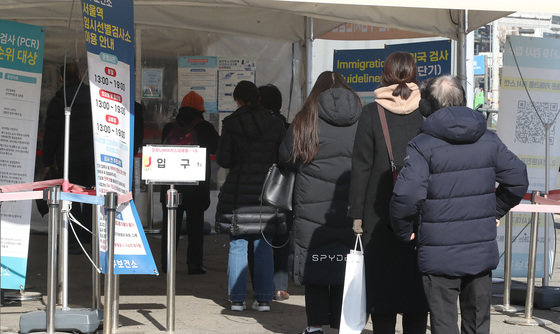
(173, 164)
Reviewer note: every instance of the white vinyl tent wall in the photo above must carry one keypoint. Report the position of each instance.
(170, 28)
(177, 25)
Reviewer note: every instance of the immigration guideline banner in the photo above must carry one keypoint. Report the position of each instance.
(362, 68)
(520, 126)
(109, 35)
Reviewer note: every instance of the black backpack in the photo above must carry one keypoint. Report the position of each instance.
(181, 134)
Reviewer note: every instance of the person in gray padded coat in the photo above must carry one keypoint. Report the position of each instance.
(318, 146)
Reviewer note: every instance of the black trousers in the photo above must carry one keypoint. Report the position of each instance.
(281, 261)
(195, 234)
(474, 293)
(413, 323)
(323, 304)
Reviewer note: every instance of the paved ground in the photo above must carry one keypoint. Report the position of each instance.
(201, 302)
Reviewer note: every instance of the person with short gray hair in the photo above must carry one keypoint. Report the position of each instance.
(447, 90)
(446, 203)
(441, 92)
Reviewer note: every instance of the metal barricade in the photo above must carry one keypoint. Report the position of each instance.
(172, 204)
(110, 207)
(53, 200)
(528, 319)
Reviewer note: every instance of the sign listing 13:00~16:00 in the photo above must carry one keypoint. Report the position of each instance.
(108, 28)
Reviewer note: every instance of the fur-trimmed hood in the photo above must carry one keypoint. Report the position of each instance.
(396, 104)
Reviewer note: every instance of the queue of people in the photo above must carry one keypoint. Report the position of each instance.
(425, 247)
(414, 173)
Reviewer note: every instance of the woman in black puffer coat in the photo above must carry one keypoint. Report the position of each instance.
(248, 147)
(318, 146)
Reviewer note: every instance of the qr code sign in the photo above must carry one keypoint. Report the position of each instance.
(528, 126)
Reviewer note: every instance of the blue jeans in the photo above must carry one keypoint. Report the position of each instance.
(238, 272)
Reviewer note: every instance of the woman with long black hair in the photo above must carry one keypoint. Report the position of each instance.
(318, 146)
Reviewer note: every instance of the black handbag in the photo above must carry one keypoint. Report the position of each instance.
(252, 220)
(278, 188)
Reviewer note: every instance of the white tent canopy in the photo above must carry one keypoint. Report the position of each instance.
(173, 27)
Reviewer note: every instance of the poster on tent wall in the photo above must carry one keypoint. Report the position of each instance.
(152, 83)
(362, 68)
(108, 28)
(199, 74)
(21, 68)
(520, 128)
(231, 70)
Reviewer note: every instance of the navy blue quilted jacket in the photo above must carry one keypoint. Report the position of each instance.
(446, 190)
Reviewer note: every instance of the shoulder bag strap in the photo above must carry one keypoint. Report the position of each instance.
(385, 128)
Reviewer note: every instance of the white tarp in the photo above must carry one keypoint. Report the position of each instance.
(513, 5)
(161, 21)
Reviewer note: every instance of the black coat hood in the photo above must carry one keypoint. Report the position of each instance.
(339, 106)
(458, 125)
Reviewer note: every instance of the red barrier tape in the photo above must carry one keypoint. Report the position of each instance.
(40, 185)
(547, 201)
(31, 185)
(124, 198)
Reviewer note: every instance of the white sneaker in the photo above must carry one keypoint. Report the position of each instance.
(261, 306)
(238, 306)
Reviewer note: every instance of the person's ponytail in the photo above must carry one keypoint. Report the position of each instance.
(402, 90)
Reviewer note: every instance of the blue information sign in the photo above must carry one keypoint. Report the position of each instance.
(478, 65)
(362, 68)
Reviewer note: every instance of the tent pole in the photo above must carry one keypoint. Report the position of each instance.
(462, 48)
(138, 65)
(495, 67)
(65, 210)
(309, 53)
(547, 126)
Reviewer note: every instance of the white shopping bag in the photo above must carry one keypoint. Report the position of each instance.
(353, 317)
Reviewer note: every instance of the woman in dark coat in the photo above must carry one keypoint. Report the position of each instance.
(318, 146)
(393, 282)
(248, 147)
